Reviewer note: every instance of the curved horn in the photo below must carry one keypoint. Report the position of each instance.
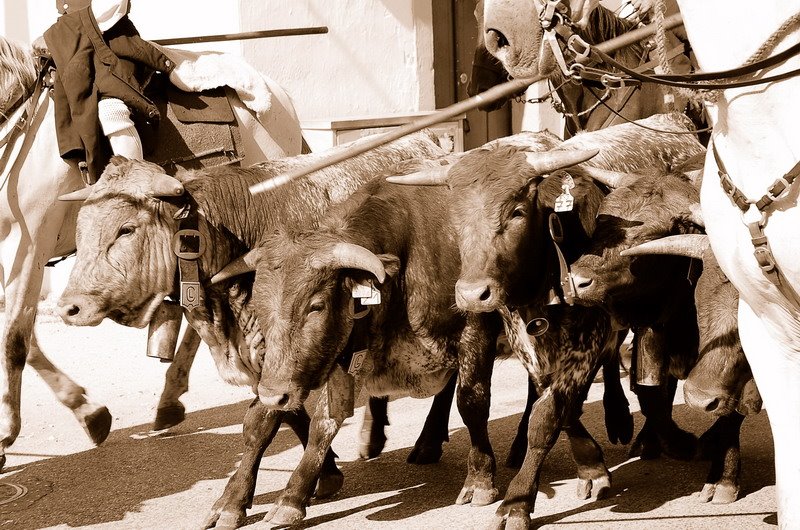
(78, 195)
(549, 161)
(612, 179)
(690, 245)
(165, 186)
(351, 256)
(427, 177)
(241, 265)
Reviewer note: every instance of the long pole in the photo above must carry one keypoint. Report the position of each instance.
(289, 32)
(493, 94)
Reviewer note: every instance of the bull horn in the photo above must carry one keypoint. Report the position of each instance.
(241, 265)
(612, 179)
(165, 186)
(548, 161)
(690, 245)
(78, 195)
(351, 256)
(427, 177)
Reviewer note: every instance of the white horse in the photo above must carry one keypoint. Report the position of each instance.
(35, 227)
(757, 137)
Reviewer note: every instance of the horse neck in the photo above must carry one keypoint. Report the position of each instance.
(755, 128)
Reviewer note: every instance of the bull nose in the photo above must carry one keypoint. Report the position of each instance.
(699, 399)
(476, 296)
(582, 281)
(76, 312)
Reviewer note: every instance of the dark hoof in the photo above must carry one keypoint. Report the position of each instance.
(425, 454)
(98, 425)
(285, 514)
(373, 447)
(619, 428)
(329, 485)
(169, 416)
(645, 447)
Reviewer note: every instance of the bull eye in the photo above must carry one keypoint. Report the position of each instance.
(125, 230)
(519, 211)
(316, 306)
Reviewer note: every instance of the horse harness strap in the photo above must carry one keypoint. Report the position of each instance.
(755, 214)
(189, 244)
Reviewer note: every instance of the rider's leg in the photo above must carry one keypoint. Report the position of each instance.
(115, 119)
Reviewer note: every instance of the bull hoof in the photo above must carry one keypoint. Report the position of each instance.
(597, 487)
(477, 496)
(511, 518)
(285, 514)
(224, 520)
(645, 447)
(329, 485)
(679, 444)
(169, 416)
(373, 447)
(424, 454)
(619, 428)
(98, 425)
(725, 493)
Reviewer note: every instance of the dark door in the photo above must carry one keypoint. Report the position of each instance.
(455, 35)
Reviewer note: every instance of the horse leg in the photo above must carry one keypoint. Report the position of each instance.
(170, 410)
(95, 419)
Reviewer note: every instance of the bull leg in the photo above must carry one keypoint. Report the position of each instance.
(259, 428)
(473, 393)
(520, 444)
(373, 437)
(660, 432)
(593, 475)
(329, 415)
(95, 419)
(428, 447)
(170, 410)
(721, 441)
(330, 478)
(619, 421)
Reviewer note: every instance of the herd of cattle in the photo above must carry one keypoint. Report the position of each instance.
(397, 271)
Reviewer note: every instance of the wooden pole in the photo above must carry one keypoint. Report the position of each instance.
(493, 94)
(290, 32)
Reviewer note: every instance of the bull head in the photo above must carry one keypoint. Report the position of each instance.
(161, 184)
(542, 162)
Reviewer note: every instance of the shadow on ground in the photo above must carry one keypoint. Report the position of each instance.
(103, 484)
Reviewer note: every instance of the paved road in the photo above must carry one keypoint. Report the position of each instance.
(136, 481)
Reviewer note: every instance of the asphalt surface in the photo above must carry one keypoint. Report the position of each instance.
(138, 481)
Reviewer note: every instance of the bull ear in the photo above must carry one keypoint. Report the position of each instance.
(165, 186)
(350, 256)
(241, 265)
(690, 245)
(544, 162)
(435, 176)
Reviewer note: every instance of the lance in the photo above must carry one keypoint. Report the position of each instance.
(289, 32)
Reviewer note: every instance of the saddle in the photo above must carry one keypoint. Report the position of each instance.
(197, 130)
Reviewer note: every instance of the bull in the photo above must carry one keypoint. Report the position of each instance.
(721, 382)
(502, 204)
(126, 238)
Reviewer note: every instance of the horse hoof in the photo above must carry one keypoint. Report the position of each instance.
(425, 454)
(98, 425)
(169, 416)
(285, 515)
(329, 485)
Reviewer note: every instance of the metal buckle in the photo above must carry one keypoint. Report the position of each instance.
(771, 192)
(581, 55)
(615, 81)
(765, 259)
(177, 244)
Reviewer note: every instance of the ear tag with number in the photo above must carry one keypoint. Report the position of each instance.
(367, 293)
(565, 202)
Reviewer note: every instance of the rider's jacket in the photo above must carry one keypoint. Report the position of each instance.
(92, 65)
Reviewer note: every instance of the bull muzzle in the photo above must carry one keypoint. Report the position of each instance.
(78, 310)
(480, 296)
